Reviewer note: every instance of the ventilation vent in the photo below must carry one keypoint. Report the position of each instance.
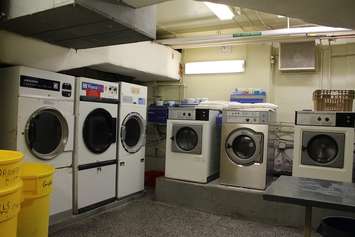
(297, 56)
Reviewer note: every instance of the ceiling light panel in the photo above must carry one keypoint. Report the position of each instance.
(223, 12)
(215, 67)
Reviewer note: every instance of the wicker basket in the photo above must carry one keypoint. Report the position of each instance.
(333, 100)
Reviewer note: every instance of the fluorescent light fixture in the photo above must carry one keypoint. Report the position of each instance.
(215, 67)
(280, 16)
(223, 12)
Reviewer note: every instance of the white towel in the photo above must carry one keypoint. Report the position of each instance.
(256, 106)
(217, 104)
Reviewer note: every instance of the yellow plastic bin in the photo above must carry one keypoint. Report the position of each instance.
(37, 187)
(10, 165)
(10, 200)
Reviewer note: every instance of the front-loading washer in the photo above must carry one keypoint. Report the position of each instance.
(247, 148)
(96, 143)
(38, 120)
(192, 145)
(324, 145)
(131, 139)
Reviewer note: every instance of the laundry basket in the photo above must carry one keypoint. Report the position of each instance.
(37, 187)
(333, 100)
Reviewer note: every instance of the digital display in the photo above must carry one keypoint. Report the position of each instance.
(38, 83)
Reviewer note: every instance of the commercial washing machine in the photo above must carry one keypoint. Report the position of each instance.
(247, 148)
(192, 145)
(38, 120)
(324, 145)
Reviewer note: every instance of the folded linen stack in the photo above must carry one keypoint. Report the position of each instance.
(217, 104)
(253, 107)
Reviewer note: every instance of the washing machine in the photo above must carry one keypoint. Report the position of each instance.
(131, 139)
(247, 148)
(324, 145)
(192, 145)
(96, 143)
(38, 120)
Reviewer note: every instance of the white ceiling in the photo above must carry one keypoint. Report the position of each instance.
(335, 13)
(188, 17)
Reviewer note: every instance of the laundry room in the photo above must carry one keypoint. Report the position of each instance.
(177, 118)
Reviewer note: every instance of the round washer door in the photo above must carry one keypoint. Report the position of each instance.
(244, 146)
(133, 132)
(46, 133)
(322, 149)
(187, 138)
(99, 131)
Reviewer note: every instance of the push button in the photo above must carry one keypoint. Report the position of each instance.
(66, 86)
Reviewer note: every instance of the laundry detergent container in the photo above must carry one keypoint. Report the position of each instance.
(10, 200)
(10, 166)
(37, 187)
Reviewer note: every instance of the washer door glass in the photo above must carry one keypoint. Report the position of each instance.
(132, 132)
(99, 131)
(46, 133)
(186, 139)
(322, 149)
(244, 146)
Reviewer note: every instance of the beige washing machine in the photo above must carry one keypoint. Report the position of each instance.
(324, 145)
(247, 148)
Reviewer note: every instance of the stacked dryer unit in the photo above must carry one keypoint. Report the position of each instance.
(96, 143)
(324, 145)
(131, 139)
(247, 148)
(38, 119)
(192, 145)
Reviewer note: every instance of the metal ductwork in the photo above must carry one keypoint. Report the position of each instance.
(79, 23)
(321, 12)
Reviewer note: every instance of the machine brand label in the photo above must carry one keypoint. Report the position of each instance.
(92, 89)
(135, 90)
(38, 83)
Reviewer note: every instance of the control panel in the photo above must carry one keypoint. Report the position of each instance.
(182, 113)
(51, 86)
(327, 119)
(248, 117)
(132, 94)
(202, 114)
(98, 89)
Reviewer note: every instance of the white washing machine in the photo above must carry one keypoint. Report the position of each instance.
(247, 148)
(131, 149)
(192, 145)
(96, 143)
(324, 145)
(38, 120)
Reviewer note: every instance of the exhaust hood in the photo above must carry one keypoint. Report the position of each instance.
(79, 24)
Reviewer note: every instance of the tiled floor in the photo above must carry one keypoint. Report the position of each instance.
(145, 217)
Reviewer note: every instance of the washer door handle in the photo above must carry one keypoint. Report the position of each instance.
(123, 130)
(229, 146)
